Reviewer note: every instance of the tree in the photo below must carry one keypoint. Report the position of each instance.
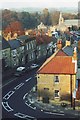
(55, 17)
(13, 27)
(8, 17)
(45, 17)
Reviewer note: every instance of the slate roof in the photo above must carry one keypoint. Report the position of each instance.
(58, 65)
(78, 73)
(5, 44)
(14, 44)
(61, 53)
(71, 22)
(68, 50)
(23, 37)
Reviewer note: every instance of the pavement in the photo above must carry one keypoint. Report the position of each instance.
(31, 100)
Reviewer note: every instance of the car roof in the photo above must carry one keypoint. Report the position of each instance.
(20, 68)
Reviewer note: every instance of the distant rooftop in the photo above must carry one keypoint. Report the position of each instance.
(14, 44)
(71, 22)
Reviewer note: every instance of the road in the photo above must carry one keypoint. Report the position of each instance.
(13, 105)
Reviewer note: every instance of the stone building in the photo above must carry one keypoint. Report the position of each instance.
(56, 78)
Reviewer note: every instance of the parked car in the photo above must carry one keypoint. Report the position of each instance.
(20, 71)
(33, 66)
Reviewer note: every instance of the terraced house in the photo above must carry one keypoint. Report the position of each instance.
(5, 53)
(56, 78)
(29, 44)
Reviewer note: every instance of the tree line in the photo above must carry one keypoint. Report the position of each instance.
(28, 20)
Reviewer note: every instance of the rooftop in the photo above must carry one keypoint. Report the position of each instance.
(5, 44)
(68, 50)
(58, 65)
(14, 44)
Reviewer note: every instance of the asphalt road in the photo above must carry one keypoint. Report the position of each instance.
(13, 105)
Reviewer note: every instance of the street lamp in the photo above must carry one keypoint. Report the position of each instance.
(74, 97)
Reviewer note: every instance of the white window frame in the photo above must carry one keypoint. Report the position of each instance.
(29, 46)
(56, 94)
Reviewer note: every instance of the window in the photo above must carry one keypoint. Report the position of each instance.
(46, 88)
(56, 79)
(27, 46)
(32, 45)
(22, 49)
(14, 53)
(56, 93)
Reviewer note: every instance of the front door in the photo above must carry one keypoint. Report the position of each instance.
(45, 99)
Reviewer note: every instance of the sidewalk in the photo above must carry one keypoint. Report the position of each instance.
(31, 99)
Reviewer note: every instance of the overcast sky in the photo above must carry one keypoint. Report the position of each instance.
(38, 3)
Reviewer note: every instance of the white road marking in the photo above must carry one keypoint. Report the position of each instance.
(8, 95)
(28, 79)
(34, 108)
(7, 107)
(55, 113)
(21, 115)
(25, 96)
(19, 86)
(8, 82)
(61, 111)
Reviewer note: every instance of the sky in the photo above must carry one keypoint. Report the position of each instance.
(38, 3)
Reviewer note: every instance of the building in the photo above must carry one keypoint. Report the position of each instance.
(60, 26)
(78, 84)
(56, 78)
(72, 22)
(5, 53)
(43, 45)
(64, 25)
(16, 51)
(41, 27)
(29, 47)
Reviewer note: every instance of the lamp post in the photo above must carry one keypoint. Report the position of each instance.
(71, 88)
(74, 97)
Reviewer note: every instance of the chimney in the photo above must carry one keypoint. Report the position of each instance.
(15, 35)
(74, 58)
(26, 33)
(68, 42)
(75, 53)
(59, 44)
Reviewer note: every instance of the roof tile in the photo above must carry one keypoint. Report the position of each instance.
(58, 65)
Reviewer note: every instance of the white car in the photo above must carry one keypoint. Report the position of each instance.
(20, 68)
(20, 71)
(33, 66)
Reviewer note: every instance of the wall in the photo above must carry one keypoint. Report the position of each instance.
(47, 81)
